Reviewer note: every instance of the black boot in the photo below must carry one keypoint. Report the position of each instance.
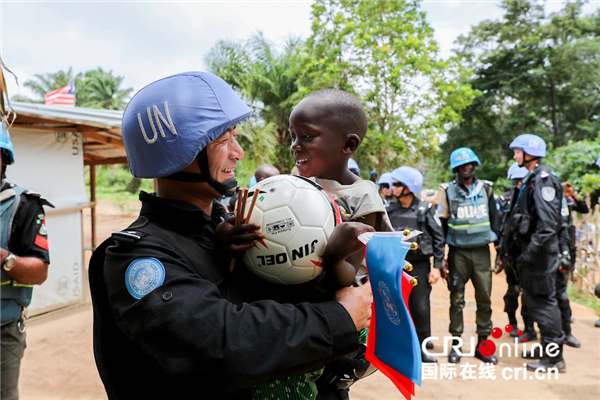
(426, 358)
(529, 334)
(453, 357)
(429, 345)
(491, 359)
(548, 361)
(512, 321)
(571, 341)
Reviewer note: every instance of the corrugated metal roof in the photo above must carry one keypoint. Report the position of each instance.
(75, 115)
(103, 143)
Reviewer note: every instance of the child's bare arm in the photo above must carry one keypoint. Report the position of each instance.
(343, 253)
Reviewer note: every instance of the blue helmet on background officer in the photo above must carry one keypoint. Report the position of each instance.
(531, 238)
(353, 166)
(385, 188)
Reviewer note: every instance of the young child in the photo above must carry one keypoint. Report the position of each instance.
(326, 128)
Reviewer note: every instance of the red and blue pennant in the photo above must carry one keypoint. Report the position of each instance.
(393, 346)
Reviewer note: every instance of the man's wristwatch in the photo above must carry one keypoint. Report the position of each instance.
(9, 262)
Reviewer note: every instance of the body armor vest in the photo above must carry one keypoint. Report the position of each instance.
(469, 221)
(413, 218)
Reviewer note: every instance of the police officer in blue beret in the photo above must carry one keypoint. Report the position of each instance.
(532, 239)
(170, 320)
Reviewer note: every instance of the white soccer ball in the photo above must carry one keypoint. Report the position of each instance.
(297, 217)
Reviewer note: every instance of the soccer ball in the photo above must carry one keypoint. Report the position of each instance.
(297, 217)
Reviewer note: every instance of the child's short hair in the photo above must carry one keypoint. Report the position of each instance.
(351, 113)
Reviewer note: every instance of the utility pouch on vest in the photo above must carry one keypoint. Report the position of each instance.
(512, 225)
(454, 206)
(524, 227)
(571, 230)
(424, 240)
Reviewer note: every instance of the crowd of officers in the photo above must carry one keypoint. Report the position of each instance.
(531, 229)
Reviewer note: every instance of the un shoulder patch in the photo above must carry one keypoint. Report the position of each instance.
(548, 193)
(143, 276)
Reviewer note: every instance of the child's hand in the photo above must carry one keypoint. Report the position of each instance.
(344, 240)
(237, 239)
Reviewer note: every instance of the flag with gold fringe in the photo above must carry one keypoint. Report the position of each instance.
(393, 346)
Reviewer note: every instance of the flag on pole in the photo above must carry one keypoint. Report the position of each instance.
(393, 346)
(64, 96)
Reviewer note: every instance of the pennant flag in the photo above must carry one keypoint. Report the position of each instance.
(393, 346)
(64, 96)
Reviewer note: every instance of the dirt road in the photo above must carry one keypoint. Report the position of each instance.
(59, 361)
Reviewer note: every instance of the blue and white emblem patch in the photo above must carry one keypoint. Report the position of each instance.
(143, 276)
(388, 303)
(548, 193)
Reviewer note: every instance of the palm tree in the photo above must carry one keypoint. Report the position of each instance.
(100, 89)
(94, 89)
(45, 83)
(261, 74)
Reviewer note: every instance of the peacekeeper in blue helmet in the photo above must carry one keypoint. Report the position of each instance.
(385, 188)
(469, 217)
(568, 239)
(24, 258)
(531, 237)
(170, 320)
(410, 212)
(516, 175)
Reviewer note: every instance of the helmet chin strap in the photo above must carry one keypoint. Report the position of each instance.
(525, 162)
(226, 188)
(404, 194)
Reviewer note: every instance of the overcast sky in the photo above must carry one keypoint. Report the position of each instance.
(147, 40)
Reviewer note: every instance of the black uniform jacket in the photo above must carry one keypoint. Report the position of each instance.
(431, 241)
(535, 218)
(193, 337)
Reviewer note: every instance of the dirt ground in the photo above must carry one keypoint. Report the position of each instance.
(59, 361)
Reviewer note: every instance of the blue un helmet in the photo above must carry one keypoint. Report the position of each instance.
(530, 144)
(168, 124)
(462, 156)
(409, 177)
(386, 177)
(516, 172)
(7, 147)
(353, 166)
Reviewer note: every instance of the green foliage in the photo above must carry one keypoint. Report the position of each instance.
(261, 73)
(537, 74)
(576, 163)
(584, 298)
(384, 52)
(93, 89)
(46, 83)
(101, 89)
(112, 183)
